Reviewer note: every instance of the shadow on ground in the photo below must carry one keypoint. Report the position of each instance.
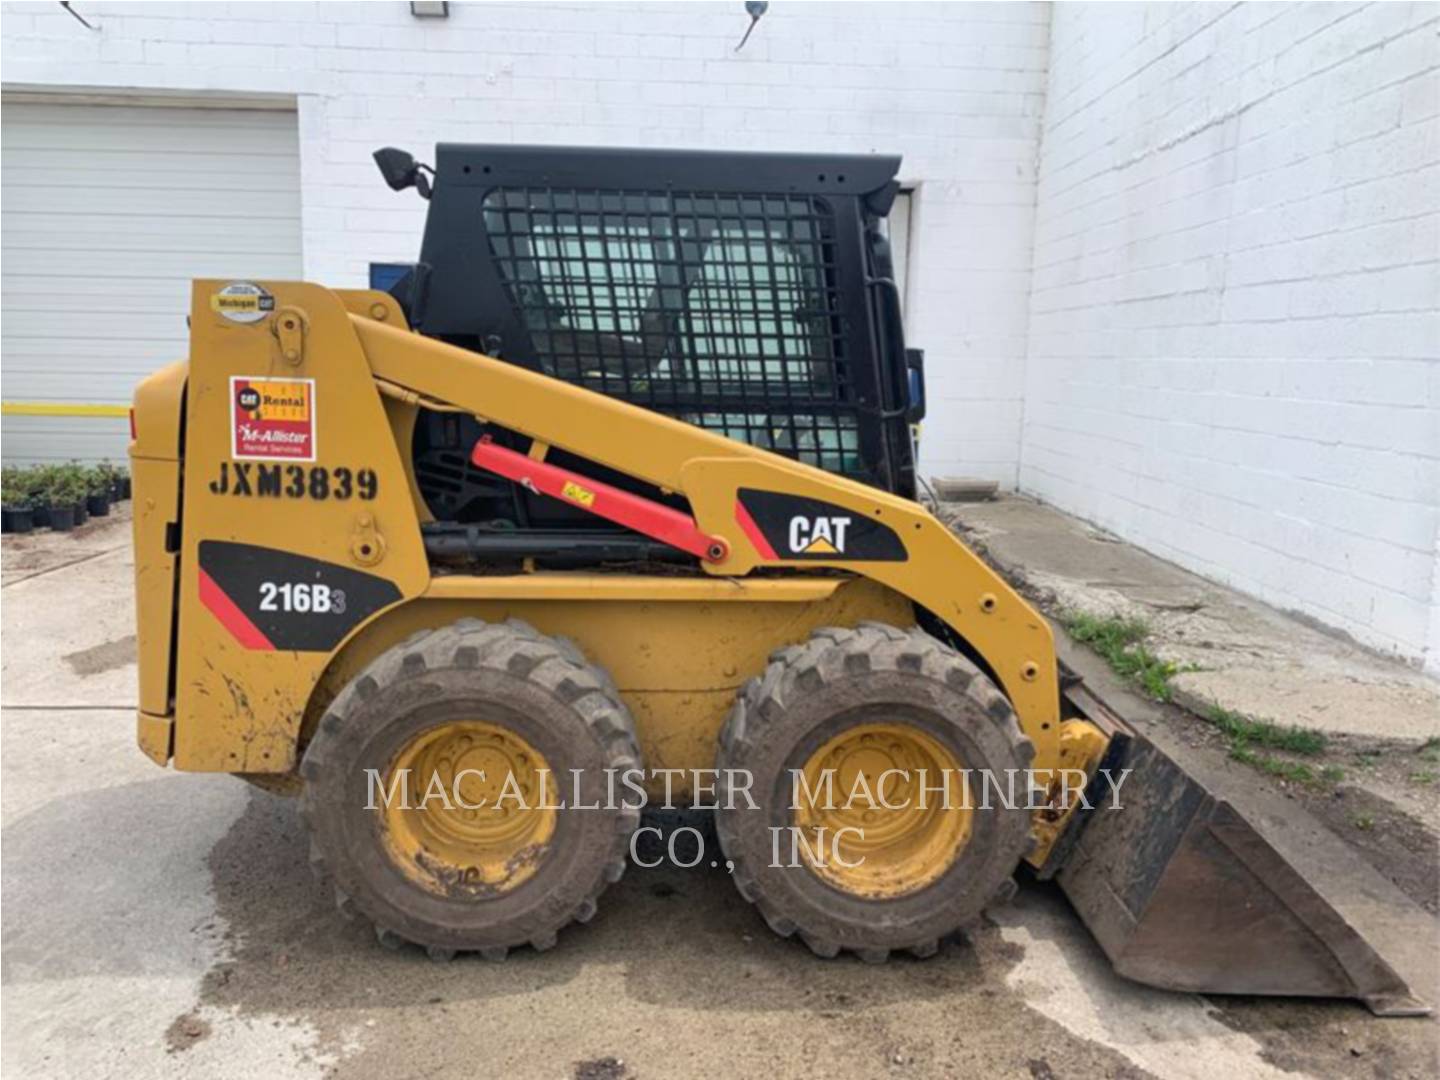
(675, 959)
(654, 922)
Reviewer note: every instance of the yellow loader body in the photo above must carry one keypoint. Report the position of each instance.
(280, 559)
(678, 647)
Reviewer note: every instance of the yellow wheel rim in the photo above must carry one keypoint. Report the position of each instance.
(474, 821)
(895, 808)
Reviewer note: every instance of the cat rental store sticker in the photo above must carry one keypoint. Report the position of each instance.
(272, 419)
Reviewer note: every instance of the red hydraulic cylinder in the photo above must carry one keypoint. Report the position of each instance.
(646, 516)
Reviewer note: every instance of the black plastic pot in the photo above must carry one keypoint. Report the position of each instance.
(124, 487)
(81, 514)
(16, 519)
(98, 505)
(62, 518)
(41, 514)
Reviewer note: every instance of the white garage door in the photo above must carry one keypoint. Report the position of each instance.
(109, 211)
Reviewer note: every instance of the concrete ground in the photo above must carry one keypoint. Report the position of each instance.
(159, 924)
(1232, 650)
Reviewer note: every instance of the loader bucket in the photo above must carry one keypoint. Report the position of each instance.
(1188, 886)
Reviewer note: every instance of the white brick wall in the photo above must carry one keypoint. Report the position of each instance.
(956, 88)
(1234, 354)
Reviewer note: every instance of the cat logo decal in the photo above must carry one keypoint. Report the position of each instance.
(783, 528)
(818, 535)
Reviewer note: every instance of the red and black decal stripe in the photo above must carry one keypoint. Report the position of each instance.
(255, 594)
(752, 532)
(231, 617)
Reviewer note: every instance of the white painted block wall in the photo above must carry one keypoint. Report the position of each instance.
(957, 88)
(1233, 323)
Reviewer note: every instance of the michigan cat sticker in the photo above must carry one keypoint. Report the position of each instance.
(272, 419)
(242, 302)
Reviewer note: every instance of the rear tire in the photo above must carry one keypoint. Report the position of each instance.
(882, 679)
(426, 879)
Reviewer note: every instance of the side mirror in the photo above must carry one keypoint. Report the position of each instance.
(401, 170)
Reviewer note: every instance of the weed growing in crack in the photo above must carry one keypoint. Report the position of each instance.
(1241, 729)
(1122, 644)
(1243, 734)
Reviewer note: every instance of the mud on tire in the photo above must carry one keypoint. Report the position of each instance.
(564, 707)
(808, 694)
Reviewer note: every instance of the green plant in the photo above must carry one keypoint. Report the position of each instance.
(13, 486)
(1295, 771)
(1105, 632)
(1423, 776)
(1243, 735)
(1430, 750)
(1121, 642)
(68, 485)
(1363, 822)
(100, 479)
(37, 486)
(27, 486)
(1239, 728)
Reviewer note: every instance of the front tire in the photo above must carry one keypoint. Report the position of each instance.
(893, 708)
(486, 710)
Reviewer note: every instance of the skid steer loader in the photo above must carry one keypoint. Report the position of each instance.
(618, 481)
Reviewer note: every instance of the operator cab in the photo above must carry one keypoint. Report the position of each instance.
(750, 294)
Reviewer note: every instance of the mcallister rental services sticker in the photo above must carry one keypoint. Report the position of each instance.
(272, 419)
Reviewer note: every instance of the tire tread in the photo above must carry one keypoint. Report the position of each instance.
(832, 654)
(518, 649)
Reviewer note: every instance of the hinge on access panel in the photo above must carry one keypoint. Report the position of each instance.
(289, 327)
